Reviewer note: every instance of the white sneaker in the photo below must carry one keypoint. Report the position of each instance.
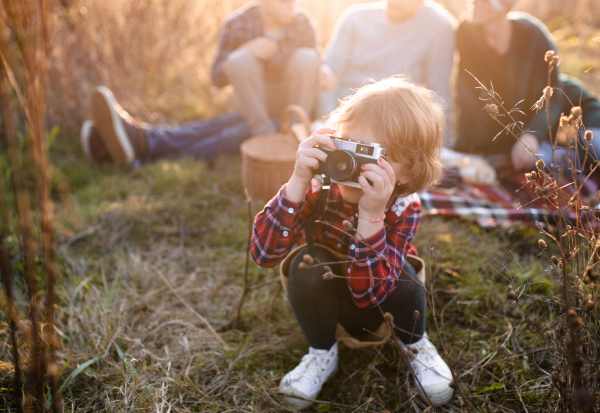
(309, 376)
(431, 371)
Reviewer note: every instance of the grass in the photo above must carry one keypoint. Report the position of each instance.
(152, 260)
(166, 253)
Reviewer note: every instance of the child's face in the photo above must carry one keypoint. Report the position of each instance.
(363, 134)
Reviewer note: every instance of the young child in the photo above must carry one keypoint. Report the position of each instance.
(407, 120)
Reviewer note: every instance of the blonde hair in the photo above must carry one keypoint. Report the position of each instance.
(406, 119)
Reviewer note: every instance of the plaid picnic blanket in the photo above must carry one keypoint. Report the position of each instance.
(509, 202)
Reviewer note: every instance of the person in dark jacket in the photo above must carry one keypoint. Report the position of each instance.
(504, 70)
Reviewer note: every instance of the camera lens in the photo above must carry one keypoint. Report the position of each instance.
(341, 165)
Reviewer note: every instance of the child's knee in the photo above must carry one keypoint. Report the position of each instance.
(306, 269)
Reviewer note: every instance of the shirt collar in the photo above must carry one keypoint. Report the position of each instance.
(335, 196)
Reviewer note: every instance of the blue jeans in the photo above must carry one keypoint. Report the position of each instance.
(204, 140)
(563, 157)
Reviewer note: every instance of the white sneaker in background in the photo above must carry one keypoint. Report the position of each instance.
(307, 379)
(431, 371)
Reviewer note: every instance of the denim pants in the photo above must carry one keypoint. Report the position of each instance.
(563, 157)
(260, 103)
(204, 140)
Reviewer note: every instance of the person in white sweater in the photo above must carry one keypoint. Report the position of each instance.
(376, 40)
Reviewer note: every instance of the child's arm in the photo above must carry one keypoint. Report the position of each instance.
(375, 264)
(276, 230)
(277, 227)
(370, 278)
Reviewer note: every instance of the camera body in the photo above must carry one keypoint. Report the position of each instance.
(344, 164)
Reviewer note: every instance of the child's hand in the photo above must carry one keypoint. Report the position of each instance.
(375, 197)
(307, 161)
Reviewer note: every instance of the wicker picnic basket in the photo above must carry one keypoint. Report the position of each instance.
(268, 160)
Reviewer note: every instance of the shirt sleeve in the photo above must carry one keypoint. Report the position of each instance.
(336, 56)
(308, 33)
(438, 72)
(276, 229)
(375, 264)
(227, 44)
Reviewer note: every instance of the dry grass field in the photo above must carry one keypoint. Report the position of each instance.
(152, 261)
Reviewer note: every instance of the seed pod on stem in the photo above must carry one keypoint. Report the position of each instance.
(540, 164)
(416, 315)
(328, 275)
(308, 260)
(347, 225)
(511, 294)
(589, 135)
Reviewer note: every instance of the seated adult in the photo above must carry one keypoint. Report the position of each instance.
(377, 40)
(506, 52)
(267, 52)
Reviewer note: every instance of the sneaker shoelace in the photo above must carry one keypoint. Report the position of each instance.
(425, 360)
(320, 364)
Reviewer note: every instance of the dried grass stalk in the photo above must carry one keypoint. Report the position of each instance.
(24, 52)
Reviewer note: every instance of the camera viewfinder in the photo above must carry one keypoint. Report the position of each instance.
(364, 150)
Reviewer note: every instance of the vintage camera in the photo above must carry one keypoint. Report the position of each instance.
(343, 165)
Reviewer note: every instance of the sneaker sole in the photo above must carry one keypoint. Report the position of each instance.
(299, 404)
(442, 396)
(290, 391)
(110, 126)
(84, 137)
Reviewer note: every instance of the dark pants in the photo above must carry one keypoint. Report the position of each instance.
(563, 158)
(204, 140)
(319, 304)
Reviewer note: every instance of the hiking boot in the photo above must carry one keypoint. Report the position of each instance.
(124, 138)
(309, 376)
(431, 376)
(92, 144)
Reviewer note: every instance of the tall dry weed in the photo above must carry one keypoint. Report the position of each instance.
(24, 57)
(570, 249)
(154, 55)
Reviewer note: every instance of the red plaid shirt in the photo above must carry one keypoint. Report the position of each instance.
(280, 227)
(246, 24)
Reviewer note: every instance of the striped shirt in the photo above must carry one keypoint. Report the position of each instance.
(246, 24)
(372, 271)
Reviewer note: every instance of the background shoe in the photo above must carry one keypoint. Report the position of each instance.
(307, 379)
(125, 139)
(430, 370)
(92, 144)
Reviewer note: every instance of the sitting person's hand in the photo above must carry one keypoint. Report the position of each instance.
(327, 78)
(523, 152)
(261, 47)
